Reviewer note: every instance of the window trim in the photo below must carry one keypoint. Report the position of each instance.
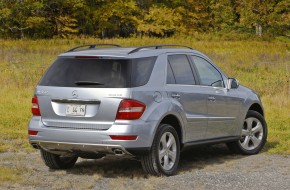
(194, 70)
(169, 65)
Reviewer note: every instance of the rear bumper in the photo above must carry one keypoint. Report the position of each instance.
(68, 141)
(71, 148)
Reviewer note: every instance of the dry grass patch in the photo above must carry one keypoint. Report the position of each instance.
(260, 65)
(9, 175)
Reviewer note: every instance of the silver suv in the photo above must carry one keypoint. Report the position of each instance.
(150, 102)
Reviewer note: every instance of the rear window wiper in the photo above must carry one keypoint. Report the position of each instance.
(88, 83)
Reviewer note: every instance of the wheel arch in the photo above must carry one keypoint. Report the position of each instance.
(175, 122)
(257, 107)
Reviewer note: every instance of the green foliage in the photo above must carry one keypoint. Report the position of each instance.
(159, 21)
(196, 16)
(223, 14)
(117, 18)
(272, 15)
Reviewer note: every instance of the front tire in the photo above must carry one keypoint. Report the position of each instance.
(54, 161)
(163, 157)
(253, 137)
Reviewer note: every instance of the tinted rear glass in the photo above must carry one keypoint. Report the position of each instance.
(181, 69)
(104, 73)
(141, 70)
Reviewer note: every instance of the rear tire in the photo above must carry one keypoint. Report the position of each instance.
(163, 157)
(253, 137)
(55, 161)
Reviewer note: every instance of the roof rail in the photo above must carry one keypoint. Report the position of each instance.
(92, 46)
(158, 47)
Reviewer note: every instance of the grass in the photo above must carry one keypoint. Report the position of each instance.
(260, 65)
(9, 175)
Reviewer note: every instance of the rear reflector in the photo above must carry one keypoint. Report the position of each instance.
(30, 132)
(35, 106)
(121, 137)
(130, 110)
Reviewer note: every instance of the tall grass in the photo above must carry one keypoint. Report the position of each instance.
(260, 65)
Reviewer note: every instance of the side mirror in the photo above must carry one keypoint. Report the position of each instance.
(233, 83)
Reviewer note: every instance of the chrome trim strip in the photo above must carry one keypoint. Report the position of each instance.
(192, 118)
(75, 101)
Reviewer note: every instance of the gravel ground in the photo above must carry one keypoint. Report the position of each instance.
(200, 168)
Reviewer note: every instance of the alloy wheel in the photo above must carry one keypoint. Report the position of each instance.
(167, 151)
(252, 134)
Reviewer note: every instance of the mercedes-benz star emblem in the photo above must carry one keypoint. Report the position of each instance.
(75, 94)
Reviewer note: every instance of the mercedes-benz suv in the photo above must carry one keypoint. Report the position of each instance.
(150, 102)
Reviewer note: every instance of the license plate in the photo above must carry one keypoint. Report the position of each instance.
(75, 110)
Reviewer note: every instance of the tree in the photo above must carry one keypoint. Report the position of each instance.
(60, 15)
(117, 18)
(4, 19)
(271, 15)
(280, 19)
(124, 18)
(196, 16)
(160, 21)
(16, 16)
(223, 15)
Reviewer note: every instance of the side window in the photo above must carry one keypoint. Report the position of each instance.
(181, 70)
(141, 70)
(209, 75)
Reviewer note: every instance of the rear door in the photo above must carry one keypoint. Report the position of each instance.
(183, 91)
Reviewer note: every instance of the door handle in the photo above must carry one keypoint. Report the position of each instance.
(177, 96)
(211, 98)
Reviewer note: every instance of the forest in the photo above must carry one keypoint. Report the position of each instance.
(38, 19)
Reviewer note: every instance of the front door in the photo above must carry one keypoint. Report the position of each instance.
(222, 104)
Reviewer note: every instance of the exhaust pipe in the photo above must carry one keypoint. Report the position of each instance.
(34, 145)
(118, 152)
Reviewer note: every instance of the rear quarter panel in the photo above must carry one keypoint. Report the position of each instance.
(154, 95)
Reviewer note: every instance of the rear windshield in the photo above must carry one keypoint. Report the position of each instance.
(98, 73)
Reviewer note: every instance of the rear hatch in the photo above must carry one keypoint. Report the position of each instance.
(85, 92)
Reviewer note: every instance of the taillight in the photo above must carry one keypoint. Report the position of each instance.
(35, 106)
(30, 132)
(130, 110)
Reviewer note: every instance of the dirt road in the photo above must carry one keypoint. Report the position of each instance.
(200, 168)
